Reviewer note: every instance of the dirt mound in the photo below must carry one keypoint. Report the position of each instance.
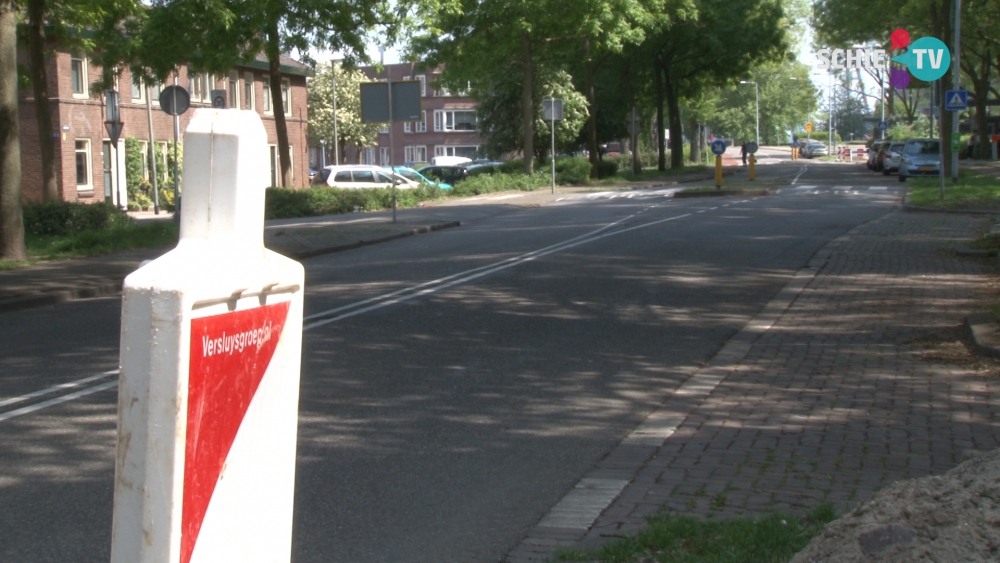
(953, 518)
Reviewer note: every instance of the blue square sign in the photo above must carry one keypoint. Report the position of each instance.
(883, 124)
(956, 100)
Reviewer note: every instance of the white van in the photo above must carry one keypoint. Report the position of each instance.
(450, 160)
(360, 176)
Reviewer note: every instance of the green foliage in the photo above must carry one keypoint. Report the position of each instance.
(125, 236)
(62, 218)
(570, 171)
(284, 203)
(685, 539)
(607, 167)
(901, 130)
(350, 129)
(500, 182)
(973, 191)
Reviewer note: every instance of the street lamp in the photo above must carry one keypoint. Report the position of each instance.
(756, 97)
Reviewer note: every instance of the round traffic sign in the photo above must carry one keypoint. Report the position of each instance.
(632, 128)
(809, 127)
(174, 100)
(751, 147)
(718, 147)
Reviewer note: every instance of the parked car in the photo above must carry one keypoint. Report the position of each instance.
(812, 149)
(873, 151)
(921, 157)
(450, 160)
(360, 176)
(413, 175)
(484, 167)
(891, 157)
(447, 174)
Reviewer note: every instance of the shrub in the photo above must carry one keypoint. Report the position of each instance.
(606, 168)
(285, 203)
(499, 182)
(575, 170)
(61, 218)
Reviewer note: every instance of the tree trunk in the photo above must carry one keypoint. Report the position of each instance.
(528, 104)
(11, 221)
(40, 90)
(674, 113)
(661, 138)
(695, 130)
(274, 71)
(588, 87)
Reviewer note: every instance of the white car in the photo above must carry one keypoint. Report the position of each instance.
(892, 158)
(450, 161)
(360, 176)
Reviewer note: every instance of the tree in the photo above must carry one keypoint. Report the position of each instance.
(11, 222)
(349, 127)
(500, 108)
(216, 35)
(728, 38)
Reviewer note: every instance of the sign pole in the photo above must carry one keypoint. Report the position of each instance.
(553, 155)
(718, 172)
(151, 149)
(957, 73)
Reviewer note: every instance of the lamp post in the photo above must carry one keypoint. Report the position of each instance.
(756, 97)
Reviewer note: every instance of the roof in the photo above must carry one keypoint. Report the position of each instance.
(286, 64)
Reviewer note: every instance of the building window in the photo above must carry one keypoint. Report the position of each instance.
(155, 93)
(78, 71)
(248, 91)
(383, 129)
(468, 151)
(234, 90)
(275, 158)
(416, 153)
(84, 178)
(144, 147)
(383, 155)
(423, 84)
(286, 98)
(267, 98)
(200, 86)
(368, 156)
(454, 120)
(138, 90)
(422, 124)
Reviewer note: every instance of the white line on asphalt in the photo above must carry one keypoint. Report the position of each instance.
(57, 400)
(499, 266)
(877, 189)
(55, 388)
(801, 172)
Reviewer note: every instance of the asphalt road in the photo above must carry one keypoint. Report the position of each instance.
(439, 424)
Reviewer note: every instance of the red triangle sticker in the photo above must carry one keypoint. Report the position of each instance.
(229, 355)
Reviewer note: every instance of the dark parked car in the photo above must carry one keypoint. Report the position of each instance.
(447, 174)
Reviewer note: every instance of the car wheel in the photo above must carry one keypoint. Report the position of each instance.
(885, 171)
(902, 178)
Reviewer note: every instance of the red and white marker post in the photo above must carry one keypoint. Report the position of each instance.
(210, 353)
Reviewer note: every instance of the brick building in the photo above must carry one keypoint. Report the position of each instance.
(85, 159)
(448, 127)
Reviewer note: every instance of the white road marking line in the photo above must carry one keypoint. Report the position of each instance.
(877, 189)
(57, 400)
(841, 188)
(510, 263)
(385, 301)
(55, 388)
(701, 211)
(801, 172)
(806, 187)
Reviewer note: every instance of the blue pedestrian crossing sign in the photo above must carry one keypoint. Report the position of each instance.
(956, 100)
(718, 147)
(883, 125)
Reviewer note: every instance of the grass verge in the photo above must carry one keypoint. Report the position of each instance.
(974, 191)
(775, 538)
(649, 174)
(126, 236)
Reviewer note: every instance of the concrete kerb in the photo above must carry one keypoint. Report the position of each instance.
(984, 331)
(570, 521)
(114, 286)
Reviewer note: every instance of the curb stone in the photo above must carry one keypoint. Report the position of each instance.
(985, 333)
(112, 288)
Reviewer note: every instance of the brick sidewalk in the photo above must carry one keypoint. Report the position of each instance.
(831, 402)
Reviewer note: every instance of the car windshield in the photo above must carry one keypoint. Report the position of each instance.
(411, 175)
(923, 147)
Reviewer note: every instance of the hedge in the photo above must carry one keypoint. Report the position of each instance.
(285, 203)
(62, 218)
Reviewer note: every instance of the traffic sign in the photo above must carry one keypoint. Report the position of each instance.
(751, 147)
(956, 144)
(956, 100)
(809, 127)
(219, 99)
(883, 125)
(718, 147)
(175, 100)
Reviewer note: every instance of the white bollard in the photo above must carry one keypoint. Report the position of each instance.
(210, 352)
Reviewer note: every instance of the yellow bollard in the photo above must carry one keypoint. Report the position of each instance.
(753, 169)
(718, 171)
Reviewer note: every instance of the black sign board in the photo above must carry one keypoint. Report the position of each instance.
(175, 100)
(405, 101)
